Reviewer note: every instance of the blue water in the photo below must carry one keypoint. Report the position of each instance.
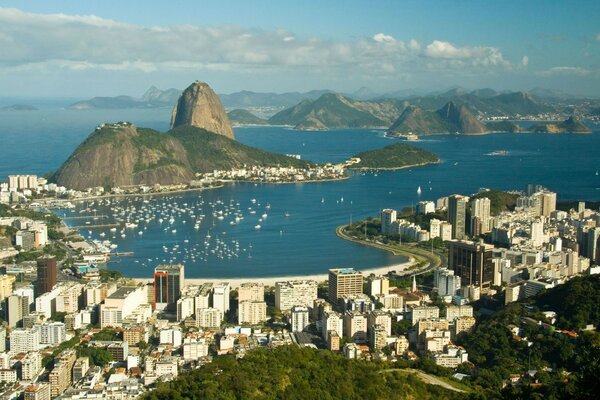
(304, 242)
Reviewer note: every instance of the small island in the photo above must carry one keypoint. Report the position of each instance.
(19, 107)
(396, 156)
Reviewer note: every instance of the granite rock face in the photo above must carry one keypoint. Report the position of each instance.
(200, 106)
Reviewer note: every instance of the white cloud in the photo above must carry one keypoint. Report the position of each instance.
(485, 56)
(57, 42)
(383, 38)
(525, 61)
(578, 71)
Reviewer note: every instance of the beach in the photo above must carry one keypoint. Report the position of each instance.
(271, 280)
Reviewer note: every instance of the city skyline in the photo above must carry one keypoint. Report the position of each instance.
(66, 49)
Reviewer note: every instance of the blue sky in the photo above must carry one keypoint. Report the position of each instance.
(87, 48)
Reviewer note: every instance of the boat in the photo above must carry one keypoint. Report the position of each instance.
(257, 227)
(419, 190)
(287, 214)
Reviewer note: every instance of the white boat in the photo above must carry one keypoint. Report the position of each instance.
(419, 190)
(257, 227)
(130, 225)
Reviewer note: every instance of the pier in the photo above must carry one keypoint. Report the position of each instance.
(95, 226)
(87, 217)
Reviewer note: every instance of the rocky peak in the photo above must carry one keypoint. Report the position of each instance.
(200, 106)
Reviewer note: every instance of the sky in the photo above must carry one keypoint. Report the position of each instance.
(71, 48)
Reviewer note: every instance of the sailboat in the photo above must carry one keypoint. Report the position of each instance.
(419, 190)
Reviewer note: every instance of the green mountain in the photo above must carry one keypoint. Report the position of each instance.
(448, 119)
(396, 156)
(122, 154)
(570, 125)
(244, 117)
(336, 111)
(291, 372)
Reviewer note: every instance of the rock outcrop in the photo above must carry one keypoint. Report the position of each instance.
(200, 106)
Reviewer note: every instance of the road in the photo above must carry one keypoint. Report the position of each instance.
(427, 378)
(418, 254)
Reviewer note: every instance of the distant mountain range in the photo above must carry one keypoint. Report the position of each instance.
(450, 118)
(153, 98)
(19, 107)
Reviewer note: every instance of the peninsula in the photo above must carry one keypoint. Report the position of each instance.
(396, 156)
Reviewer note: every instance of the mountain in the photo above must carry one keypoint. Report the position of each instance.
(122, 154)
(570, 125)
(503, 126)
(248, 99)
(244, 117)
(200, 106)
(336, 111)
(448, 119)
(107, 103)
(19, 107)
(157, 96)
(152, 98)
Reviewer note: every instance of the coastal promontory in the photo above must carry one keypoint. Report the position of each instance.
(395, 156)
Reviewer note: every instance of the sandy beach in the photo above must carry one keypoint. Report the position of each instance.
(270, 280)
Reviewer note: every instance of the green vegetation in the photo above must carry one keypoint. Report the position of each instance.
(244, 117)
(107, 334)
(98, 355)
(576, 302)
(108, 275)
(565, 365)
(51, 220)
(289, 372)
(499, 201)
(48, 361)
(207, 151)
(398, 155)
(503, 126)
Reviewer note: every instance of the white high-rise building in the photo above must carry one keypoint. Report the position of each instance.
(447, 283)
(209, 317)
(252, 312)
(24, 340)
(185, 308)
(481, 209)
(171, 336)
(332, 321)
(52, 333)
(194, 349)
(221, 296)
(537, 233)
(299, 318)
(387, 217)
(295, 293)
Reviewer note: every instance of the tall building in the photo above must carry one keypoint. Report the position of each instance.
(251, 292)
(472, 262)
(24, 340)
(209, 317)
(457, 207)
(121, 304)
(168, 283)
(481, 209)
(16, 307)
(7, 283)
(355, 326)
(47, 274)
(299, 318)
(60, 377)
(252, 312)
(295, 293)
(548, 202)
(221, 296)
(387, 217)
(344, 282)
(537, 233)
(378, 285)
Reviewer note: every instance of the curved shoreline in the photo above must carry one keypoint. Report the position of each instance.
(393, 168)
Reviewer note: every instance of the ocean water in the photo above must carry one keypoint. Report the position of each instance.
(298, 235)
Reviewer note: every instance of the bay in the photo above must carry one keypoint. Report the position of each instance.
(304, 242)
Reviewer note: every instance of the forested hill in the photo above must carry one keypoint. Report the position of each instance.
(290, 372)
